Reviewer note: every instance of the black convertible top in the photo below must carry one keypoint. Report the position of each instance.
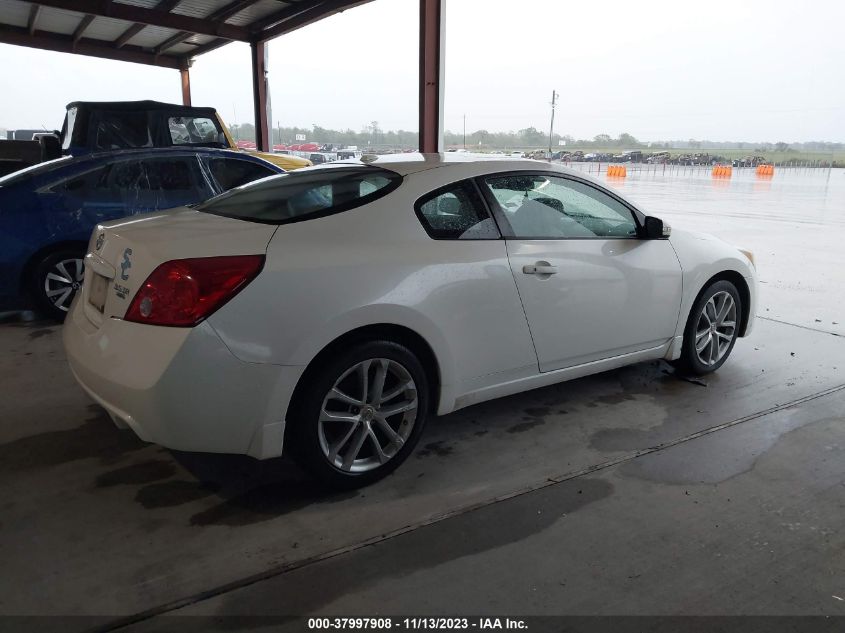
(137, 105)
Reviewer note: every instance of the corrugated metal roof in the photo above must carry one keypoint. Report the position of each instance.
(258, 11)
(14, 13)
(149, 4)
(68, 25)
(106, 29)
(151, 36)
(199, 8)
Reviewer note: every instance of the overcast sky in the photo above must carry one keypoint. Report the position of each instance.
(750, 70)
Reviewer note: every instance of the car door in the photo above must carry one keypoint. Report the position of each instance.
(591, 288)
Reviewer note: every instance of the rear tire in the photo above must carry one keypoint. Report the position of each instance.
(712, 329)
(55, 281)
(360, 415)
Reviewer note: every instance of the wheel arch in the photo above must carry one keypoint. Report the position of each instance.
(32, 262)
(375, 332)
(742, 288)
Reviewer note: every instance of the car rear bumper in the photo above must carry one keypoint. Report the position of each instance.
(180, 387)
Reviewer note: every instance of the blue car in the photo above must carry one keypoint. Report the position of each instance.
(48, 211)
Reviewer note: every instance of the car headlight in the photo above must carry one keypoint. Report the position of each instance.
(749, 255)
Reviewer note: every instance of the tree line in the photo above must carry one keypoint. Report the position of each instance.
(372, 135)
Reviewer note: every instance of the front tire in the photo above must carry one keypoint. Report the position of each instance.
(712, 329)
(55, 281)
(361, 414)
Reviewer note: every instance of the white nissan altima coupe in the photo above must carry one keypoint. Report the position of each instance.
(332, 310)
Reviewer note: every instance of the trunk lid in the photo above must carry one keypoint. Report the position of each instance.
(122, 254)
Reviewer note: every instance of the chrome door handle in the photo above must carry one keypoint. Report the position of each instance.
(540, 268)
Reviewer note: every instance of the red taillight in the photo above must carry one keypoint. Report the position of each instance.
(183, 292)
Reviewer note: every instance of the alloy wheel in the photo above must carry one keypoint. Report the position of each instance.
(63, 281)
(716, 328)
(368, 415)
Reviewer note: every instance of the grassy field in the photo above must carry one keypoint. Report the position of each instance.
(778, 157)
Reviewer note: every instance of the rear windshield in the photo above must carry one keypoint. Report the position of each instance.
(301, 195)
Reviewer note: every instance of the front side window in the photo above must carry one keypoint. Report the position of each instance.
(231, 172)
(456, 213)
(551, 207)
(83, 184)
(299, 195)
(190, 130)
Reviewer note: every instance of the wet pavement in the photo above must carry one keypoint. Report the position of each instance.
(634, 491)
(794, 223)
(757, 535)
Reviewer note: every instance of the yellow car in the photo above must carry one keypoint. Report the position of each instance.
(285, 161)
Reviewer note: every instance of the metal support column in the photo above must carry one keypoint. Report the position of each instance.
(186, 86)
(431, 81)
(260, 95)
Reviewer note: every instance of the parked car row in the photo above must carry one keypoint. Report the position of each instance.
(101, 126)
(637, 156)
(48, 211)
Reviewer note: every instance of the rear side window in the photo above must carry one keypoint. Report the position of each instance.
(188, 130)
(230, 172)
(456, 213)
(171, 175)
(299, 195)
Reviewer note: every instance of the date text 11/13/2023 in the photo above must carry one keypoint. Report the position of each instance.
(416, 623)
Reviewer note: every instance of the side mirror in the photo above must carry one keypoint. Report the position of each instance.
(654, 229)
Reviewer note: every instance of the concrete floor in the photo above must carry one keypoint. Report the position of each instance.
(560, 498)
(631, 492)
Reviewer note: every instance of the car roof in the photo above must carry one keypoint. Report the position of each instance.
(148, 152)
(405, 164)
(176, 150)
(459, 166)
(138, 105)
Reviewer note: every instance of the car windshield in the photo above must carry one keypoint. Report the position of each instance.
(299, 195)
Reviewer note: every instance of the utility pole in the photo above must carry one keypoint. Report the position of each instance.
(552, 124)
(465, 131)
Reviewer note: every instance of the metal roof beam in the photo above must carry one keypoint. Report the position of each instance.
(34, 10)
(283, 14)
(222, 14)
(128, 34)
(172, 41)
(206, 48)
(84, 23)
(296, 16)
(94, 48)
(132, 31)
(152, 17)
(233, 8)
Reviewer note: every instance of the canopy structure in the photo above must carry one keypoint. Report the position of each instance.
(171, 33)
